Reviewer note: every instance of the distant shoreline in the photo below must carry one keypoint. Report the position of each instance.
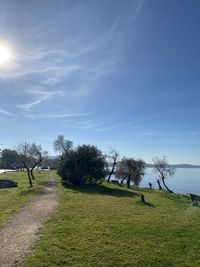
(181, 166)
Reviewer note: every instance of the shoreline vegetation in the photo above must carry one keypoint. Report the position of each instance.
(100, 221)
(143, 185)
(107, 225)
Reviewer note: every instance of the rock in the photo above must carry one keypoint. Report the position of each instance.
(7, 183)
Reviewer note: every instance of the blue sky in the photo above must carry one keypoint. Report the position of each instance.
(118, 74)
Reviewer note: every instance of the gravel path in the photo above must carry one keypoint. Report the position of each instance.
(18, 237)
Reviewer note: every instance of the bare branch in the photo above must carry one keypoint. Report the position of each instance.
(61, 145)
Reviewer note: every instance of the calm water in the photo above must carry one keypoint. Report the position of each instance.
(184, 181)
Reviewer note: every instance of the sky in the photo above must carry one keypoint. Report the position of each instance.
(120, 75)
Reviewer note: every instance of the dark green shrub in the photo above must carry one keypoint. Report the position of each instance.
(83, 165)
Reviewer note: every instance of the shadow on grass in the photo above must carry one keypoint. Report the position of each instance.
(101, 190)
(149, 204)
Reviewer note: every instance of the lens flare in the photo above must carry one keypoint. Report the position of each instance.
(5, 55)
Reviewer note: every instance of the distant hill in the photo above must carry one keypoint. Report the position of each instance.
(189, 166)
(178, 166)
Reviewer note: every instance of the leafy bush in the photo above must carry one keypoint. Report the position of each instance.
(83, 165)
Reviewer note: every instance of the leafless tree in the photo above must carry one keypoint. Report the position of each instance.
(61, 145)
(25, 158)
(113, 156)
(37, 156)
(30, 156)
(164, 170)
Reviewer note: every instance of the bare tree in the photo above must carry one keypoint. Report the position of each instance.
(25, 158)
(61, 145)
(30, 156)
(131, 170)
(37, 157)
(164, 170)
(113, 156)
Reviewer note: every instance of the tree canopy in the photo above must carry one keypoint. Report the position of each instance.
(9, 159)
(82, 165)
(62, 145)
(131, 170)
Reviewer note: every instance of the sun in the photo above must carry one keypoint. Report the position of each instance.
(5, 55)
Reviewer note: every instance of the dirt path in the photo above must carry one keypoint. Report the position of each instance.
(18, 237)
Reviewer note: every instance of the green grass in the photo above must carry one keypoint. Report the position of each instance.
(12, 199)
(109, 226)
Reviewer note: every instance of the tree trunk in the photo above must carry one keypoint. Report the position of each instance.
(159, 185)
(142, 198)
(163, 180)
(122, 181)
(29, 178)
(32, 169)
(28, 173)
(32, 175)
(112, 171)
(128, 181)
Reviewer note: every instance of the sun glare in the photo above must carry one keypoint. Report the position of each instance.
(5, 55)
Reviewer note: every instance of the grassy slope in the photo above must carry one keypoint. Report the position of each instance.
(111, 227)
(12, 199)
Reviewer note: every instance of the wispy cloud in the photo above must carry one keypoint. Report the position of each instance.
(136, 9)
(41, 97)
(163, 136)
(106, 128)
(57, 116)
(90, 123)
(6, 113)
(65, 115)
(53, 70)
(76, 65)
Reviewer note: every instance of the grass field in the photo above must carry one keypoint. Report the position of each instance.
(109, 226)
(12, 199)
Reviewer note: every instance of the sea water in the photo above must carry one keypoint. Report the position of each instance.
(185, 180)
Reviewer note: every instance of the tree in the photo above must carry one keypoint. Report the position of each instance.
(121, 171)
(61, 145)
(31, 155)
(131, 170)
(25, 158)
(164, 170)
(83, 165)
(9, 159)
(37, 156)
(113, 155)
